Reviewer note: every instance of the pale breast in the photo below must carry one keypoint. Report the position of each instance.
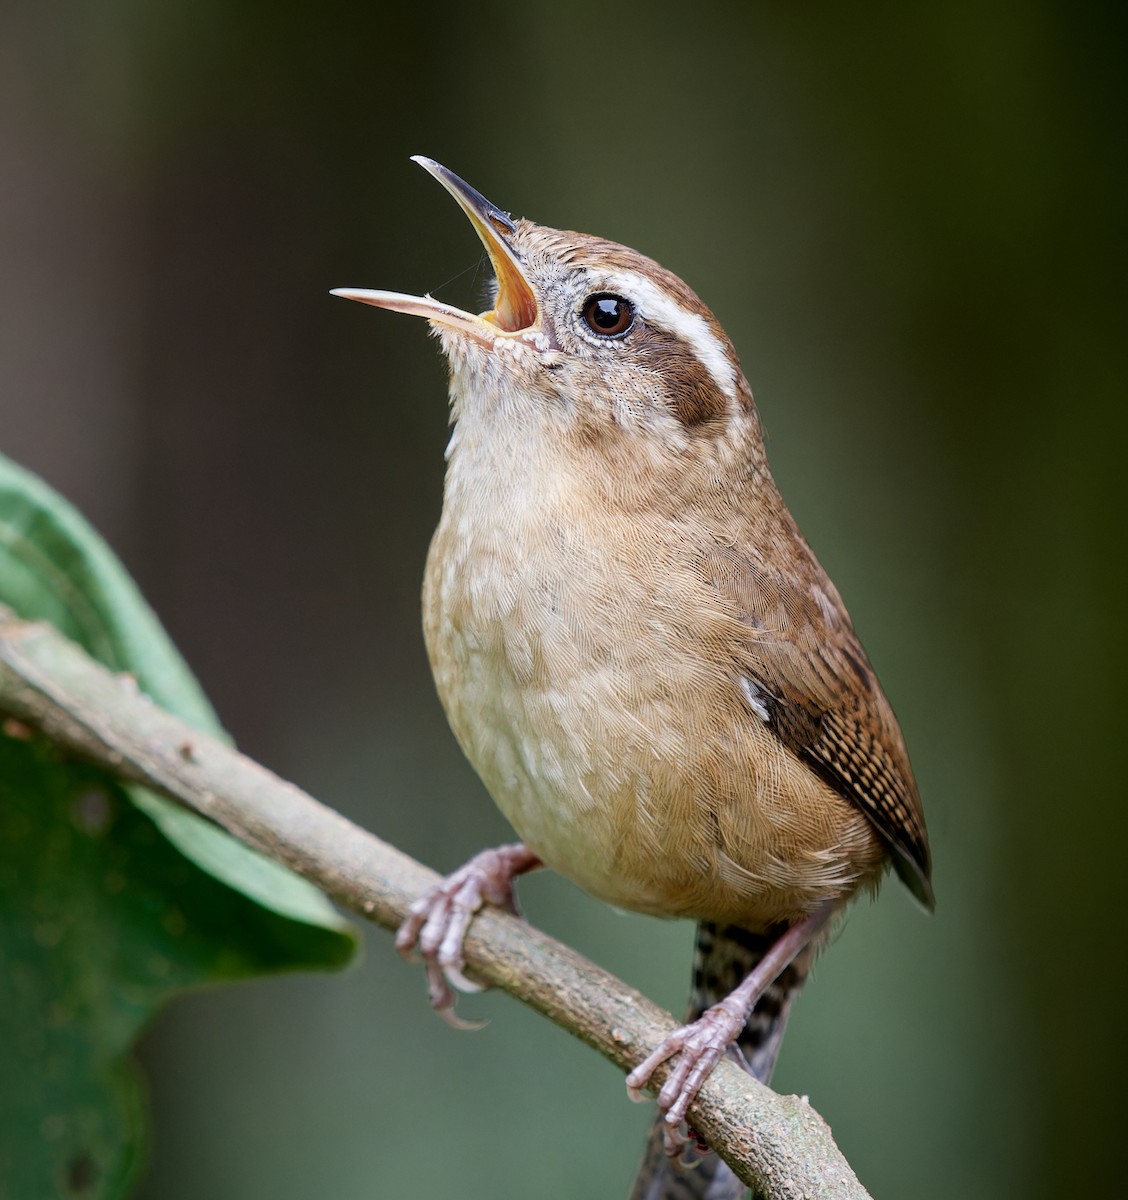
(591, 683)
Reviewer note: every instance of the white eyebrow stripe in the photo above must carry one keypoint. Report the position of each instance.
(691, 327)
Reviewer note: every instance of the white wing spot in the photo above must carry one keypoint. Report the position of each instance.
(755, 699)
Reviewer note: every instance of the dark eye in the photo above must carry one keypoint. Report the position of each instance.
(609, 316)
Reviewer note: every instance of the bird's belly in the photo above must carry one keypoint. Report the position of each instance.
(626, 759)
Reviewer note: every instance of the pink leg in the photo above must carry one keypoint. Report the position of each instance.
(436, 924)
(701, 1044)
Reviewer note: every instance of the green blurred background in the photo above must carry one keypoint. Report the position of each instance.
(908, 217)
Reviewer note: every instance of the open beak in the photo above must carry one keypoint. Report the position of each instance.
(515, 312)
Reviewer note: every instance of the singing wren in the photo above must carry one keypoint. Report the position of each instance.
(636, 648)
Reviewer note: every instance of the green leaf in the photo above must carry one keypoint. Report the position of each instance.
(111, 898)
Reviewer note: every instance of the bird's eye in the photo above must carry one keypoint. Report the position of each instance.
(607, 315)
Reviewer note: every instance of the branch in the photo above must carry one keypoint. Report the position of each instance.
(776, 1144)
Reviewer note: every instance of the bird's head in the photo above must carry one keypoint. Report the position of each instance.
(593, 332)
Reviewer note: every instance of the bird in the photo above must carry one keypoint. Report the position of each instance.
(640, 655)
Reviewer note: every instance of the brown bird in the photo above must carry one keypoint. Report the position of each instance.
(640, 654)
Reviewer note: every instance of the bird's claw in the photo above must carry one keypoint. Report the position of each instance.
(699, 1047)
(436, 923)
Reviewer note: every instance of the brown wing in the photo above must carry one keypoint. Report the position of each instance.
(805, 668)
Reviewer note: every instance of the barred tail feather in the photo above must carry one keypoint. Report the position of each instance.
(724, 956)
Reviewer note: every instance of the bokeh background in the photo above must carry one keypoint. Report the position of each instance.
(908, 217)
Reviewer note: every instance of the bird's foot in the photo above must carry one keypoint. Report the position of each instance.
(699, 1046)
(436, 923)
(702, 1043)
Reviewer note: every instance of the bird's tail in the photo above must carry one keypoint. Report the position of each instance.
(724, 956)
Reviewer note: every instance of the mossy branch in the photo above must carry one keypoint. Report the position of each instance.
(777, 1144)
